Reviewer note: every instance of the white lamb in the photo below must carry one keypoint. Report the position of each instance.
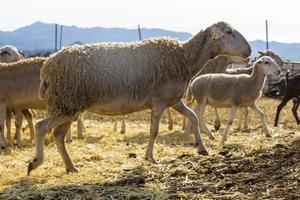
(234, 91)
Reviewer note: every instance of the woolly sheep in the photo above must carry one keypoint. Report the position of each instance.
(241, 91)
(118, 78)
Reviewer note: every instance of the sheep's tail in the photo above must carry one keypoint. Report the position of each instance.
(42, 90)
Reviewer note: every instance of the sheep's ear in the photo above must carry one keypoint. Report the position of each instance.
(261, 53)
(216, 33)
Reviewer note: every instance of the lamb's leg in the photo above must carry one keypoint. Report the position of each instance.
(217, 123)
(41, 128)
(229, 123)
(8, 125)
(29, 118)
(2, 122)
(115, 120)
(240, 119)
(294, 110)
(262, 118)
(199, 111)
(170, 127)
(245, 118)
(59, 134)
(18, 124)
(69, 135)
(123, 127)
(155, 118)
(80, 127)
(285, 99)
(184, 110)
(183, 125)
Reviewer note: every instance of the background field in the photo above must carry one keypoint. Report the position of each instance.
(112, 166)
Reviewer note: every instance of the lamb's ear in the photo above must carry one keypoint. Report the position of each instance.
(261, 53)
(216, 33)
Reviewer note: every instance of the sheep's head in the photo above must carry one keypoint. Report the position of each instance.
(9, 54)
(227, 40)
(268, 66)
(273, 55)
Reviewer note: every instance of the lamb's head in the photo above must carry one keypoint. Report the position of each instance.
(273, 55)
(227, 40)
(268, 66)
(9, 54)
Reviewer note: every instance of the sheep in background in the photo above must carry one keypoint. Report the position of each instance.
(116, 79)
(242, 90)
(10, 54)
(292, 92)
(14, 95)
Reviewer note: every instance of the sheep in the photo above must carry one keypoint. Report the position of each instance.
(10, 54)
(122, 78)
(242, 90)
(14, 94)
(292, 92)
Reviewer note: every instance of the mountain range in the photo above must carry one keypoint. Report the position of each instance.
(39, 36)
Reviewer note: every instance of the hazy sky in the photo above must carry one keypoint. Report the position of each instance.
(179, 15)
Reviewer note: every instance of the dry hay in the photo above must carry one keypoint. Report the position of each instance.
(111, 165)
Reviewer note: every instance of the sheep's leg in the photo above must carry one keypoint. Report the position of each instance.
(229, 123)
(8, 125)
(240, 119)
(2, 122)
(59, 134)
(184, 110)
(279, 108)
(245, 118)
(69, 135)
(29, 118)
(115, 120)
(80, 128)
(18, 124)
(184, 122)
(217, 123)
(262, 118)
(123, 127)
(294, 110)
(41, 128)
(155, 118)
(170, 127)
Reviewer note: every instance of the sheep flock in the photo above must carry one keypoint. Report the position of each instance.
(174, 95)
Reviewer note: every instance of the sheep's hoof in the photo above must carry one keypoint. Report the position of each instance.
(203, 152)
(268, 135)
(152, 160)
(69, 141)
(72, 170)
(217, 127)
(32, 165)
(122, 131)
(170, 127)
(275, 124)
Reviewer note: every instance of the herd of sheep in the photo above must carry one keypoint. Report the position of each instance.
(122, 78)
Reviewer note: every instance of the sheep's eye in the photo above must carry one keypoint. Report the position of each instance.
(267, 63)
(229, 32)
(5, 52)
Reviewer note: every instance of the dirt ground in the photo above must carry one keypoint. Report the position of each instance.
(112, 166)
